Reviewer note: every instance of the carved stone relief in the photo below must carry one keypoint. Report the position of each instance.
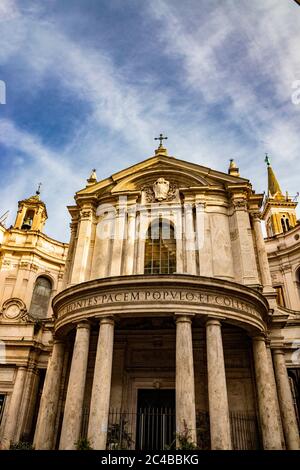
(160, 190)
(14, 310)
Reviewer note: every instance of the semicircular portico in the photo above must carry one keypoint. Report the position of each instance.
(141, 295)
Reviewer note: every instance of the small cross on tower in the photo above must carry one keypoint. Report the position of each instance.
(267, 160)
(38, 191)
(160, 138)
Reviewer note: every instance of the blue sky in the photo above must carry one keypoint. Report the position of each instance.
(90, 83)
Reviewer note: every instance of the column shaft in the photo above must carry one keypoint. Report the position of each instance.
(266, 396)
(217, 389)
(98, 419)
(82, 246)
(190, 244)
(204, 241)
(28, 404)
(143, 221)
(129, 254)
(273, 384)
(287, 409)
(262, 254)
(45, 428)
(185, 385)
(71, 426)
(14, 407)
(118, 242)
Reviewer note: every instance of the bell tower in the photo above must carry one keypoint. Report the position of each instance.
(32, 213)
(279, 212)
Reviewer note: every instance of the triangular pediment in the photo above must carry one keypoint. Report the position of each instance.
(184, 174)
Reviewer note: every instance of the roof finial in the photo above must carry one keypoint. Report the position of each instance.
(38, 191)
(233, 168)
(160, 148)
(93, 177)
(267, 160)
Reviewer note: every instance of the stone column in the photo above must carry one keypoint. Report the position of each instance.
(273, 385)
(217, 390)
(45, 428)
(204, 241)
(14, 407)
(266, 396)
(190, 245)
(143, 221)
(71, 426)
(72, 244)
(129, 253)
(243, 251)
(103, 241)
(99, 410)
(118, 241)
(177, 210)
(261, 252)
(82, 246)
(185, 385)
(28, 404)
(289, 420)
(290, 286)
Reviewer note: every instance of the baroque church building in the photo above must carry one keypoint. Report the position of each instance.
(167, 315)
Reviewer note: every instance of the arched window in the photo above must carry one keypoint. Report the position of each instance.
(27, 223)
(285, 223)
(160, 249)
(40, 297)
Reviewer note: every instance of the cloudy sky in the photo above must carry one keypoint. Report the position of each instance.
(90, 83)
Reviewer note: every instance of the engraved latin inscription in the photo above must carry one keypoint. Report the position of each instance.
(161, 295)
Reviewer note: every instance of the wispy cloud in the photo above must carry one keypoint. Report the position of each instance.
(244, 59)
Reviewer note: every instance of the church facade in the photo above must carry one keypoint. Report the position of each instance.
(168, 316)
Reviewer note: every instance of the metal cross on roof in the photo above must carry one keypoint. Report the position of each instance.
(160, 138)
(38, 191)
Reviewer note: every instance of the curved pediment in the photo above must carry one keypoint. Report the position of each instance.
(181, 173)
(182, 179)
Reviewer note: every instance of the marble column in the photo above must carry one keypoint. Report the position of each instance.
(68, 265)
(287, 409)
(290, 286)
(71, 426)
(273, 384)
(14, 408)
(129, 253)
(261, 252)
(143, 222)
(82, 246)
(185, 384)
(103, 242)
(204, 242)
(190, 244)
(45, 428)
(99, 409)
(217, 390)
(244, 260)
(266, 396)
(178, 225)
(118, 241)
(28, 404)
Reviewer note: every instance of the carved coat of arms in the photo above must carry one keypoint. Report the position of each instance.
(161, 190)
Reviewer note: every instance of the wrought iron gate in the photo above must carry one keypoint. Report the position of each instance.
(154, 429)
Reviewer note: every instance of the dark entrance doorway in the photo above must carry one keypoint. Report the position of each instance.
(155, 428)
